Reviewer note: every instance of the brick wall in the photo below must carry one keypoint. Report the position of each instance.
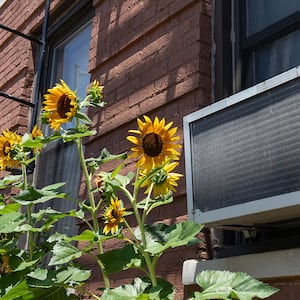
(153, 57)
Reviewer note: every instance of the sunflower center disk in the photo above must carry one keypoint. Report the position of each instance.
(64, 106)
(152, 144)
(6, 148)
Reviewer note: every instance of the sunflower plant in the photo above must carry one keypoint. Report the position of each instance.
(37, 261)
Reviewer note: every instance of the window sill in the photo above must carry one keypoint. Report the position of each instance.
(283, 263)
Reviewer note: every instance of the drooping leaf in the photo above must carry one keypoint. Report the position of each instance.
(19, 289)
(56, 237)
(52, 217)
(63, 253)
(32, 195)
(9, 222)
(128, 291)
(61, 277)
(161, 236)
(24, 265)
(226, 285)
(53, 293)
(124, 258)
(72, 274)
(106, 156)
(10, 207)
(85, 236)
(70, 136)
(116, 180)
(163, 291)
(9, 180)
(28, 142)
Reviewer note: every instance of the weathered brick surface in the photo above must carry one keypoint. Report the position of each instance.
(154, 58)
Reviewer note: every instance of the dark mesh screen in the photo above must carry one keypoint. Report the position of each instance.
(248, 151)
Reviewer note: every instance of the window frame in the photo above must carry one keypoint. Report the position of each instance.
(233, 50)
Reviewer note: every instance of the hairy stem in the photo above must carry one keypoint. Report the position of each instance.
(30, 235)
(92, 208)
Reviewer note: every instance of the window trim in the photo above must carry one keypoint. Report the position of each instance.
(278, 264)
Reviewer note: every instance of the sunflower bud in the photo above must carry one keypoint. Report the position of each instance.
(95, 91)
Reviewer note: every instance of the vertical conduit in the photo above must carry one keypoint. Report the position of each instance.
(37, 85)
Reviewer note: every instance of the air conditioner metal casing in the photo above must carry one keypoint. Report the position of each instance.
(242, 154)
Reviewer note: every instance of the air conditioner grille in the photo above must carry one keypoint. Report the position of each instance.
(248, 151)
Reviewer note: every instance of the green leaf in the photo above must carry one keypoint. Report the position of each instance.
(116, 180)
(161, 236)
(124, 258)
(32, 195)
(84, 118)
(9, 222)
(7, 208)
(62, 277)
(127, 292)
(53, 187)
(150, 204)
(52, 216)
(70, 136)
(63, 253)
(105, 157)
(56, 237)
(25, 264)
(163, 291)
(117, 170)
(85, 236)
(20, 289)
(229, 285)
(73, 274)
(9, 180)
(53, 293)
(30, 143)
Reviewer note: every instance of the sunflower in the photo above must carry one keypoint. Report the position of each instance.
(9, 144)
(163, 181)
(61, 105)
(113, 216)
(36, 132)
(156, 142)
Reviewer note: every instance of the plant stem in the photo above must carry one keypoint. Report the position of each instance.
(147, 256)
(146, 204)
(93, 207)
(30, 236)
(140, 222)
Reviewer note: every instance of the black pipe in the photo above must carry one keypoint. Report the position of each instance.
(20, 100)
(37, 85)
(26, 36)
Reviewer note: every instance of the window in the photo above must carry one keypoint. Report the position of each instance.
(68, 56)
(255, 40)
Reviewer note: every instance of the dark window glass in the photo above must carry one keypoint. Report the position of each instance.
(271, 38)
(255, 40)
(264, 13)
(277, 57)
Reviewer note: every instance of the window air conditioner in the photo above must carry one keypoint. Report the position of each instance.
(243, 156)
